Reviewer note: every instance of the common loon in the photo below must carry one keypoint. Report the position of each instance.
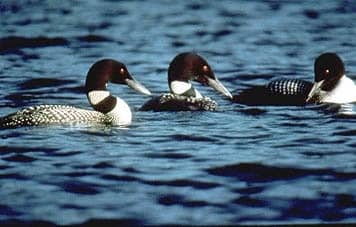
(108, 109)
(331, 85)
(183, 96)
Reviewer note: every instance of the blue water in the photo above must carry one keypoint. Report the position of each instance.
(241, 165)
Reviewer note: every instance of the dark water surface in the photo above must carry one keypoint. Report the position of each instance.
(248, 165)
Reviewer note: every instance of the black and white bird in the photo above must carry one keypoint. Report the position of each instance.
(331, 85)
(186, 67)
(108, 109)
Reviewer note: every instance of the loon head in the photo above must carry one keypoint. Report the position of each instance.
(109, 70)
(328, 70)
(190, 66)
(102, 72)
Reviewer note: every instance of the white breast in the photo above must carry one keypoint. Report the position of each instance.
(344, 92)
(121, 114)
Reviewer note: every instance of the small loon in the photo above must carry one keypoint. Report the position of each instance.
(331, 85)
(183, 96)
(108, 109)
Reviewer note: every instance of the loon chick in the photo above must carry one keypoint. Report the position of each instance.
(108, 109)
(331, 85)
(183, 96)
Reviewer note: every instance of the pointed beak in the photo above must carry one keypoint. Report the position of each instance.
(315, 91)
(219, 87)
(132, 83)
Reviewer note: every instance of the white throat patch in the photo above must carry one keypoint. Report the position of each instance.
(96, 97)
(179, 87)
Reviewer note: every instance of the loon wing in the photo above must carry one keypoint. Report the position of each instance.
(49, 114)
(172, 102)
(281, 92)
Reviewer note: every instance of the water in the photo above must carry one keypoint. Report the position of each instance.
(241, 165)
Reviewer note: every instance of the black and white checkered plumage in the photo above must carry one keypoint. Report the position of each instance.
(52, 114)
(290, 87)
(173, 102)
(277, 92)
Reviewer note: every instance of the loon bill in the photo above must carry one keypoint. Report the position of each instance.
(331, 85)
(186, 67)
(108, 109)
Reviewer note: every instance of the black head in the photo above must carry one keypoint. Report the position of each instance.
(328, 67)
(104, 71)
(190, 66)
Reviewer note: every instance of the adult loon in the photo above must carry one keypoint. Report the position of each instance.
(108, 109)
(183, 96)
(331, 85)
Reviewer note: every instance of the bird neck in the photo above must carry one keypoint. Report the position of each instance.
(184, 88)
(102, 100)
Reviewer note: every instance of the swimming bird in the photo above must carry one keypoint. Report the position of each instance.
(331, 85)
(108, 109)
(186, 67)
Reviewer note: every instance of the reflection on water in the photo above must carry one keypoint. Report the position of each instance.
(347, 110)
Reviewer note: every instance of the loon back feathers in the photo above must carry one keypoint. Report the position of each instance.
(52, 114)
(277, 92)
(290, 87)
(173, 102)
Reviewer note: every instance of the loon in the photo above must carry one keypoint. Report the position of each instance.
(108, 109)
(183, 96)
(331, 85)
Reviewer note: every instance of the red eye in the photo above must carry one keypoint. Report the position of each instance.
(205, 68)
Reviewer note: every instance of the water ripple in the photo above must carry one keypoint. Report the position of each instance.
(252, 172)
(19, 158)
(15, 42)
(79, 187)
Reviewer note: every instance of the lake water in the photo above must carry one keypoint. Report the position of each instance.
(241, 165)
